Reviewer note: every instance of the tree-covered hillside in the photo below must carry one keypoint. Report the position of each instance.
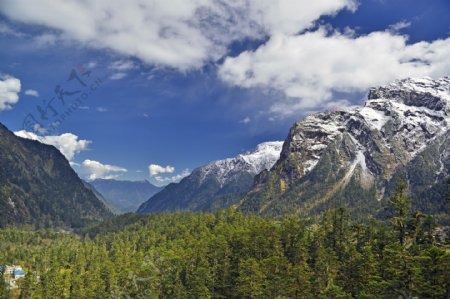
(229, 255)
(39, 187)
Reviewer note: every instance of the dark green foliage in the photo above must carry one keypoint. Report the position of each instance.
(402, 205)
(229, 255)
(113, 224)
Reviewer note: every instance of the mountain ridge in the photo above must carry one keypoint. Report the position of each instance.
(39, 187)
(216, 185)
(342, 155)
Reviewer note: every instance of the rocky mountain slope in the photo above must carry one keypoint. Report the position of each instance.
(38, 186)
(127, 196)
(216, 185)
(356, 157)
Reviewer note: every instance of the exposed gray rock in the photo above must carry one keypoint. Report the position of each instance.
(343, 155)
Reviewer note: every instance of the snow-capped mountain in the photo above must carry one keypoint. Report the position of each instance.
(253, 162)
(217, 184)
(356, 156)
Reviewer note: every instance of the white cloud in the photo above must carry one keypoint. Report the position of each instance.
(122, 65)
(67, 143)
(399, 26)
(173, 179)
(117, 76)
(31, 93)
(310, 67)
(246, 120)
(182, 34)
(306, 68)
(9, 91)
(96, 170)
(155, 169)
(101, 109)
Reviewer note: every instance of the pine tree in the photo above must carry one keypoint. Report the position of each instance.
(401, 204)
(400, 271)
(434, 267)
(251, 279)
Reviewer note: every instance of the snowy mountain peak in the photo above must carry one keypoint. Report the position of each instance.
(407, 114)
(354, 156)
(253, 162)
(264, 155)
(421, 92)
(422, 102)
(425, 85)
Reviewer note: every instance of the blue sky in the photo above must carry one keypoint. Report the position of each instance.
(184, 86)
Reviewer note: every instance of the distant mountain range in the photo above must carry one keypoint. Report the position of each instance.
(219, 184)
(115, 210)
(353, 158)
(124, 196)
(357, 157)
(38, 186)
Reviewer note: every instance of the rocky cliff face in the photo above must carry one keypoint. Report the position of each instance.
(38, 186)
(216, 185)
(355, 157)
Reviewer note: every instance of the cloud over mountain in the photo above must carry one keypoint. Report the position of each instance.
(308, 68)
(68, 144)
(155, 169)
(95, 170)
(296, 54)
(9, 91)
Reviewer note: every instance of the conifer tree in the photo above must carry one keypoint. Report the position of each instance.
(251, 279)
(401, 204)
